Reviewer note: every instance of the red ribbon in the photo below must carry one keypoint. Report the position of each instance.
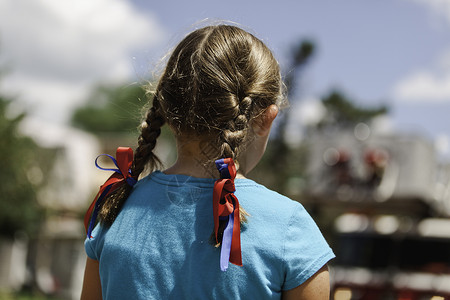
(123, 161)
(226, 203)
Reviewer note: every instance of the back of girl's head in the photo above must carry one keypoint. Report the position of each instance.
(217, 80)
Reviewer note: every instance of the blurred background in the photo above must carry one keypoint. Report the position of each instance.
(364, 145)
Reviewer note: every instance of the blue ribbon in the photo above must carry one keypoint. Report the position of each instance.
(226, 243)
(130, 180)
(99, 202)
(223, 169)
(96, 209)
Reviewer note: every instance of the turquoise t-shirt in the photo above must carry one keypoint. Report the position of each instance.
(159, 246)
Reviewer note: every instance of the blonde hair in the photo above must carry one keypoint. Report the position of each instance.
(216, 81)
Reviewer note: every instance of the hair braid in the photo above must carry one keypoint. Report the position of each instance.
(234, 135)
(143, 156)
(150, 131)
(233, 140)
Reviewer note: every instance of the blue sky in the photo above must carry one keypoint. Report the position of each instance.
(393, 52)
(364, 48)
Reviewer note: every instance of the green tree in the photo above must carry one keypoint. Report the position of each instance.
(21, 173)
(112, 109)
(114, 113)
(342, 112)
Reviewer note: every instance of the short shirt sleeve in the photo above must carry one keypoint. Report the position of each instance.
(94, 245)
(305, 249)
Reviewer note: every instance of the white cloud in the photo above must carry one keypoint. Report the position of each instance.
(438, 7)
(429, 84)
(55, 50)
(47, 98)
(424, 86)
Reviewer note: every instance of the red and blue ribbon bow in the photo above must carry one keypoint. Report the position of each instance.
(226, 208)
(123, 162)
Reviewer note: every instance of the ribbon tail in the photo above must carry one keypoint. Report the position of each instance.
(235, 251)
(217, 192)
(225, 249)
(216, 211)
(93, 219)
(91, 215)
(88, 214)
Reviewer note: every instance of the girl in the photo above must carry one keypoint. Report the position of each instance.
(193, 231)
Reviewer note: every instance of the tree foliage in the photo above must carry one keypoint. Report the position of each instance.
(342, 112)
(112, 109)
(19, 164)
(113, 113)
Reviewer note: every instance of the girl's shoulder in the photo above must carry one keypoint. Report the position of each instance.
(262, 200)
(252, 189)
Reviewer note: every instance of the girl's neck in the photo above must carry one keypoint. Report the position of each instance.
(196, 160)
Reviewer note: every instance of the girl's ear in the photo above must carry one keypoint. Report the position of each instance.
(262, 124)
